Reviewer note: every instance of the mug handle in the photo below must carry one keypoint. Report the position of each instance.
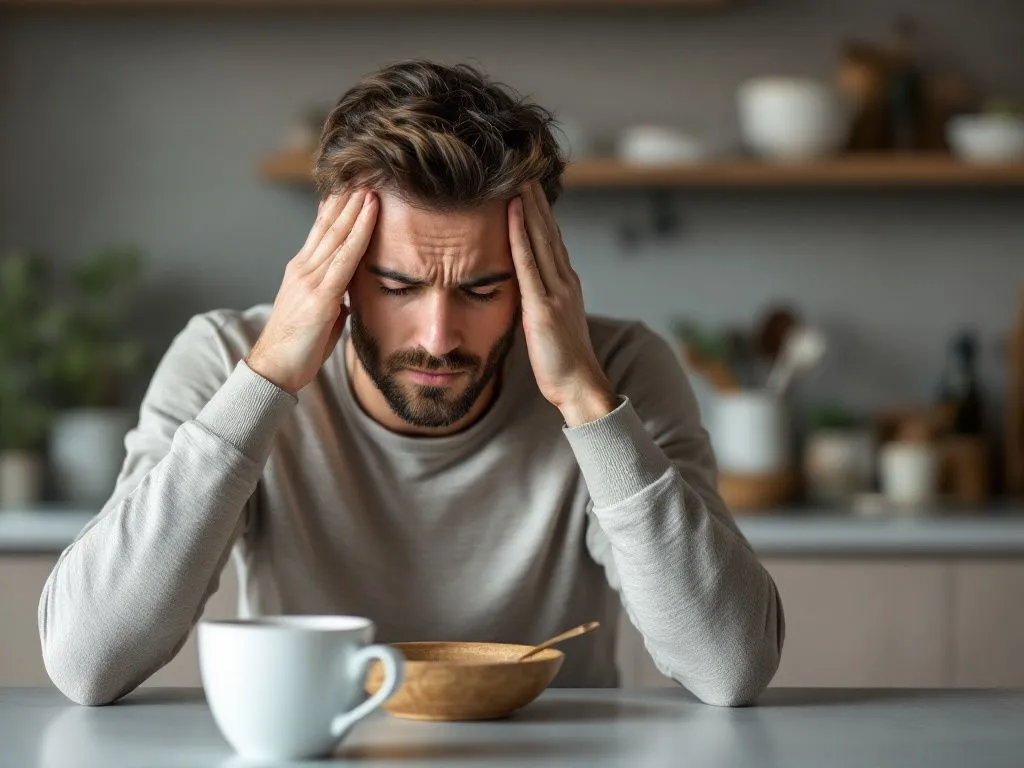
(358, 665)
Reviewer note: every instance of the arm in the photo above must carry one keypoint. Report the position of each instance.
(708, 611)
(124, 595)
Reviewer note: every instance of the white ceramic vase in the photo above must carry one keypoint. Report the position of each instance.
(87, 451)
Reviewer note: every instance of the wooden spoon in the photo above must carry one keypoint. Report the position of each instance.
(582, 629)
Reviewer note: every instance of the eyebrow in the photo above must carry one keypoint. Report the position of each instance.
(480, 282)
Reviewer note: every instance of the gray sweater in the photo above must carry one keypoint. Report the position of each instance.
(511, 530)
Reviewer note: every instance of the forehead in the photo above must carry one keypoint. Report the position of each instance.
(454, 244)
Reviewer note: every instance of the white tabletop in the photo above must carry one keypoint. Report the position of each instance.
(790, 728)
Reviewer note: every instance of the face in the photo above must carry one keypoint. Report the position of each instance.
(434, 308)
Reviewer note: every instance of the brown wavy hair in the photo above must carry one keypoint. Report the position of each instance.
(441, 137)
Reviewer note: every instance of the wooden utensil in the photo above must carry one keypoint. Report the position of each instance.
(771, 333)
(582, 629)
(803, 349)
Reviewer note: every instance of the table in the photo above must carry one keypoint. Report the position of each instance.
(568, 727)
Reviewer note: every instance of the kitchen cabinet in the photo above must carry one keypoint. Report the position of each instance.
(21, 581)
(21, 662)
(888, 622)
(988, 636)
(868, 623)
(850, 621)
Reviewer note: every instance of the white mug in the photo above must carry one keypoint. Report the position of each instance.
(291, 687)
(909, 472)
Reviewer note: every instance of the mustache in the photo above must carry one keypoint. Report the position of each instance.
(419, 358)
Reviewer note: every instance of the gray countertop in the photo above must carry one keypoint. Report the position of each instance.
(984, 531)
(789, 728)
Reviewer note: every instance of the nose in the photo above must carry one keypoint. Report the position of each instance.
(439, 329)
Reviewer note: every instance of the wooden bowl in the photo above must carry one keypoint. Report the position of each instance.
(466, 681)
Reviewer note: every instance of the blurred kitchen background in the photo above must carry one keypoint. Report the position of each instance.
(820, 204)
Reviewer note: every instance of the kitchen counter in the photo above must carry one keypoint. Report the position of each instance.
(665, 727)
(40, 531)
(985, 531)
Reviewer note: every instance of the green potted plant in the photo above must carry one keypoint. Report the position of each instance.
(24, 410)
(91, 365)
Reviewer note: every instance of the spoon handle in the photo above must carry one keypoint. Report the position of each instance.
(582, 629)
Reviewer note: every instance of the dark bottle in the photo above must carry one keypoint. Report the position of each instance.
(904, 93)
(959, 386)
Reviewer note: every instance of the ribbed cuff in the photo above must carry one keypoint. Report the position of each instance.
(246, 411)
(617, 456)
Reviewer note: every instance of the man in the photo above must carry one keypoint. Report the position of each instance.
(470, 456)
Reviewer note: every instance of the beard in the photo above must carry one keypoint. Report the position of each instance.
(425, 406)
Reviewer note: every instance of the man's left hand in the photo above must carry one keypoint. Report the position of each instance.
(554, 320)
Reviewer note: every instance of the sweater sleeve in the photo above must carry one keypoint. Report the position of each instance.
(709, 613)
(123, 596)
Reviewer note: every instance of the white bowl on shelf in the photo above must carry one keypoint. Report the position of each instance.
(658, 145)
(792, 119)
(986, 138)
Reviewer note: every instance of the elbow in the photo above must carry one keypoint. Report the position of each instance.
(741, 687)
(88, 682)
(88, 676)
(85, 675)
(747, 672)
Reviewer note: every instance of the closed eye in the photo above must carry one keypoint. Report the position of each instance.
(482, 296)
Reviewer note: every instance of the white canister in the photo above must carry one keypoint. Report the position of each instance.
(909, 472)
(750, 432)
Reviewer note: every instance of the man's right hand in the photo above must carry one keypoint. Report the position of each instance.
(308, 315)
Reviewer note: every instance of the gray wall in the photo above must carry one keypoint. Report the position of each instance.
(148, 126)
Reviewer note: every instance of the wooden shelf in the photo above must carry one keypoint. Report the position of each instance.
(850, 171)
(288, 167)
(293, 167)
(382, 5)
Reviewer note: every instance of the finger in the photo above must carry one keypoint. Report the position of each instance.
(325, 214)
(541, 240)
(561, 254)
(530, 284)
(342, 265)
(337, 231)
(336, 331)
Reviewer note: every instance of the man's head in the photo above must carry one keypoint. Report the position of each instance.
(436, 292)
